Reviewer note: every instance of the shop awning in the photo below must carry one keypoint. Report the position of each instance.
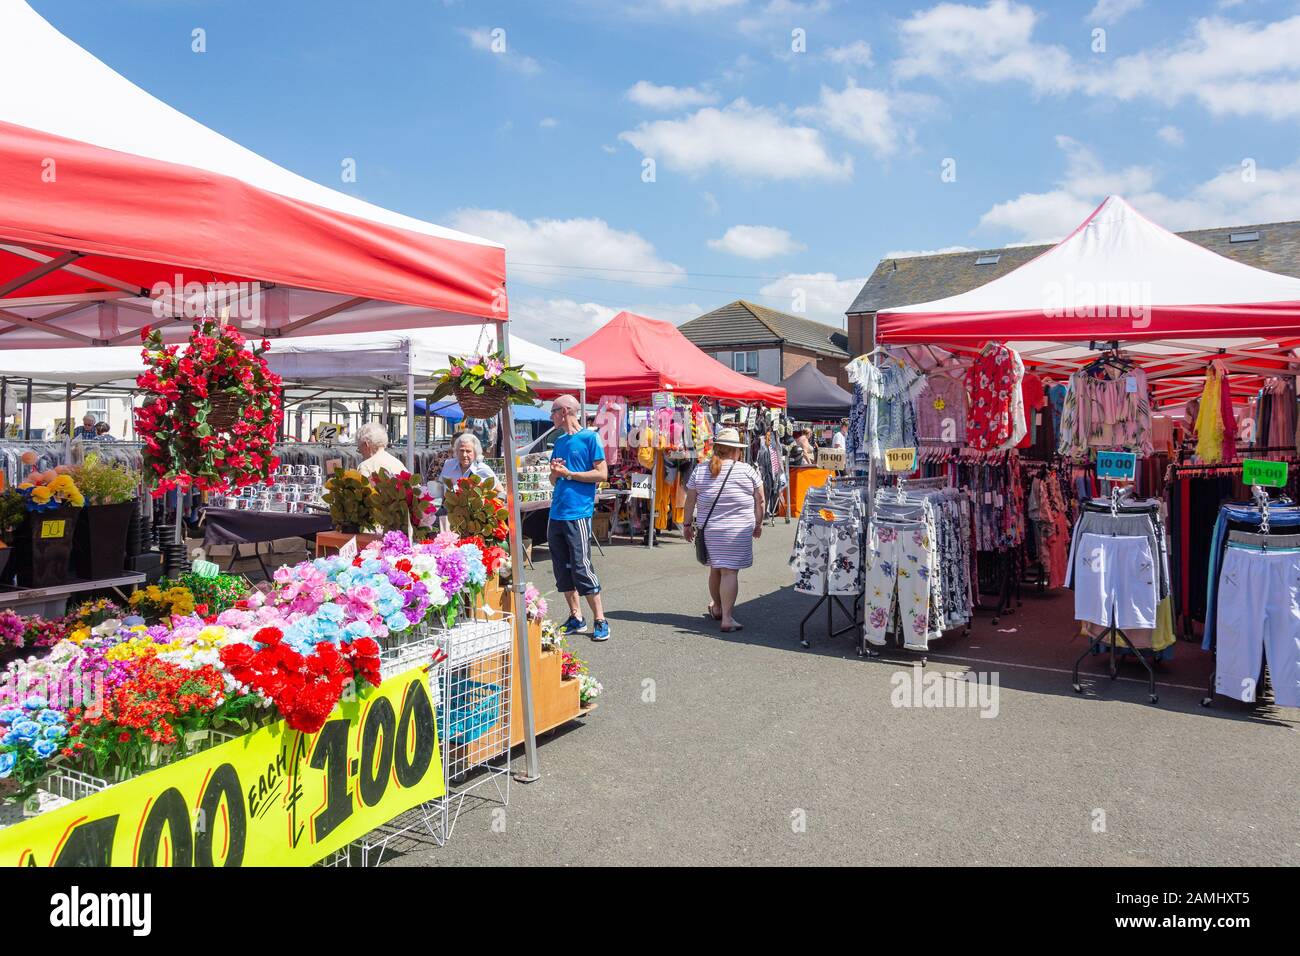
(112, 202)
(814, 397)
(1120, 278)
(635, 357)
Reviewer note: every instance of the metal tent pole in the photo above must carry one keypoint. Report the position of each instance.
(67, 417)
(410, 411)
(524, 660)
(27, 414)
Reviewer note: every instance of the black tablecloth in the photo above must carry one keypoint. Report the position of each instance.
(226, 526)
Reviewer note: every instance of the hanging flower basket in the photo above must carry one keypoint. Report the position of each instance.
(211, 411)
(484, 384)
(485, 404)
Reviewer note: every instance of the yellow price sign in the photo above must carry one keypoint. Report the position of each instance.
(274, 797)
(53, 529)
(902, 460)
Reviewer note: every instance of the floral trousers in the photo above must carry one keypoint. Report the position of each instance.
(898, 572)
(827, 558)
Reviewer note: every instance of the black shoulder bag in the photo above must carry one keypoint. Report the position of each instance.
(702, 549)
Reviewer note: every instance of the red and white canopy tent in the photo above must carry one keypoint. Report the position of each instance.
(117, 211)
(635, 357)
(107, 194)
(1120, 278)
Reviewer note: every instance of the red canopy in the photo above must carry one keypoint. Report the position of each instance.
(1119, 277)
(635, 357)
(112, 204)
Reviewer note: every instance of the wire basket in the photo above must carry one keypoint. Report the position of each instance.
(486, 404)
(476, 708)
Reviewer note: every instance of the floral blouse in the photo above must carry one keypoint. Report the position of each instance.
(992, 386)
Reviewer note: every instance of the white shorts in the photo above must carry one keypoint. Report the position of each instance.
(1259, 619)
(1115, 581)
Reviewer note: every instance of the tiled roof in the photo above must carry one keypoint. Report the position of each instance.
(744, 323)
(907, 281)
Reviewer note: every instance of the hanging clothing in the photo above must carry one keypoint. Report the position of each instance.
(827, 553)
(992, 383)
(941, 409)
(1033, 399)
(1258, 622)
(885, 392)
(899, 567)
(1108, 407)
(1211, 429)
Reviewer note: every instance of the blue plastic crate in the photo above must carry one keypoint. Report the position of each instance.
(477, 709)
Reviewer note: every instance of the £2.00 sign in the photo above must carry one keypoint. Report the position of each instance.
(274, 797)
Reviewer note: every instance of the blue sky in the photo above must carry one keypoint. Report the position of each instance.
(795, 142)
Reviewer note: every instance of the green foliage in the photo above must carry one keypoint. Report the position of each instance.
(104, 482)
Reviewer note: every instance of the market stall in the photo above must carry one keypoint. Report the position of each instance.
(1022, 411)
(657, 396)
(158, 221)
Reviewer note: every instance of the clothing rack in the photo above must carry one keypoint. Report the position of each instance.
(1109, 636)
(860, 483)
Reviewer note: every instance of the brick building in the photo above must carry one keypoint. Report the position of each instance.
(767, 344)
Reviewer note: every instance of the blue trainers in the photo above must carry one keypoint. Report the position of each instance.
(574, 624)
(600, 632)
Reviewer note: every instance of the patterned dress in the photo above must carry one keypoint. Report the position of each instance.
(729, 533)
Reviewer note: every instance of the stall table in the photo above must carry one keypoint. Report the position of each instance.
(228, 526)
(53, 601)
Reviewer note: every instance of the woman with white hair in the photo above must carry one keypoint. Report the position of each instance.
(372, 443)
(466, 459)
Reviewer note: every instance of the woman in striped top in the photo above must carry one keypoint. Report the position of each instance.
(731, 525)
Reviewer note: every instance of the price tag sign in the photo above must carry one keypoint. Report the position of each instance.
(661, 399)
(205, 569)
(52, 529)
(640, 487)
(1116, 465)
(330, 431)
(832, 459)
(349, 550)
(1267, 474)
(900, 460)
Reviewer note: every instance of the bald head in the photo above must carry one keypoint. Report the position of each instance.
(564, 413)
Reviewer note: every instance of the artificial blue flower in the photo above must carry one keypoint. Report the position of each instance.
(55, 732)
(27, 729)
(7, 761)
(131, 620)
(50, 717)
(331, 612)
(36, 702)
(45, 748)
(397, 622)
(11, 714)
(354, 630)
(10, 738)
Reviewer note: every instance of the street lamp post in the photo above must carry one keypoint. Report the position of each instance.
(559, 343)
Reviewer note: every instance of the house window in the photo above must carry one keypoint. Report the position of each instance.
(745, 362)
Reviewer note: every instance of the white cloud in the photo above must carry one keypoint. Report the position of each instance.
(1171, 135)
(779, 17)
(857, 53)
(482, 39)
(993, 43)
(824, 295)
(860, 114)
(535, 249)
(549, 122)
(711, 205)
(1239, 69)
(740, 139)
(756, 242)
(609, 148)
(913, 253)
(1112, 11)
(698, 6)
(667, 98)
(540, 319)
(1226, 199)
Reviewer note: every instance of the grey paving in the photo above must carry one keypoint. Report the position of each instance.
(743, 748)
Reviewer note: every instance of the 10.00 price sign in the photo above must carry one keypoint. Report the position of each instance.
(274, 797)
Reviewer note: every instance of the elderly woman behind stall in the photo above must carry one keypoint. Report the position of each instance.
(466, 459)
(372, 443)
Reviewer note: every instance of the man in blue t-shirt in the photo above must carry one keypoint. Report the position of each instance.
(577, 467)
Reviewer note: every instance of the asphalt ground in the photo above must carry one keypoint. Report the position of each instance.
(745, 748)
